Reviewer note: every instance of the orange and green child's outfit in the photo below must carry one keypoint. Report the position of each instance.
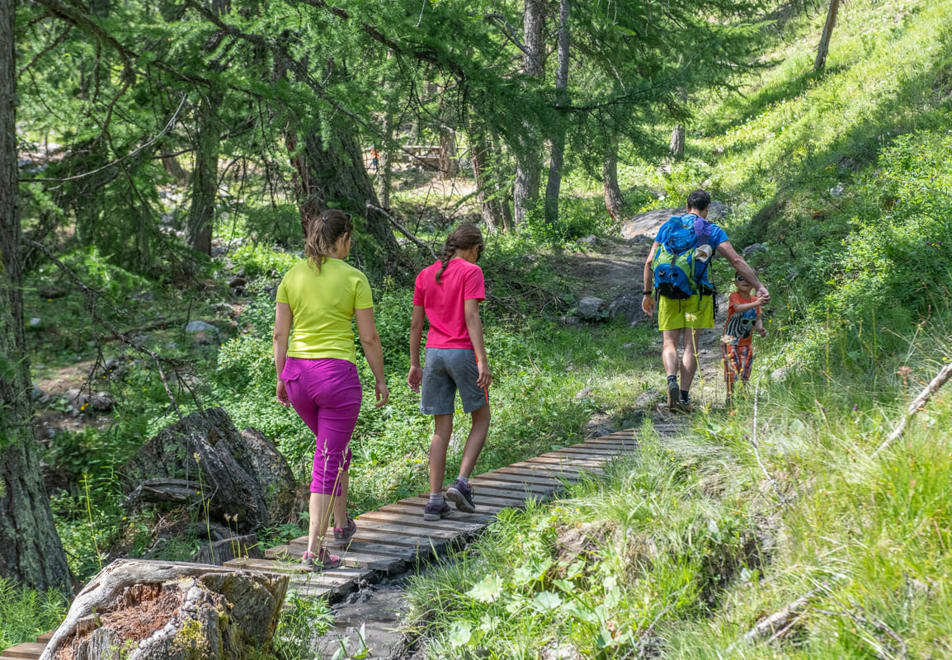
(737, 347)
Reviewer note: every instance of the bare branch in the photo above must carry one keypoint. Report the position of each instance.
(917, 404)
(171, 123)
(511, 34)
(403, 230)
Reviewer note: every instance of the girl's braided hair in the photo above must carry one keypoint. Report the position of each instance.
(323, 230)
(463, 237)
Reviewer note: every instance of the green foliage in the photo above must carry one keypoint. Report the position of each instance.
(302, 621)
(578, 217)
(26, 614)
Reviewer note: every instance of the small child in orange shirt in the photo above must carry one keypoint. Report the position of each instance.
(743, 317)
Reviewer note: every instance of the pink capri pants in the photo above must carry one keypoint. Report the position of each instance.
(326, 393)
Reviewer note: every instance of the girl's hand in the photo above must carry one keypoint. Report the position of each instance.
(382, 393)
(281, 393)
(762, 332)
(415, 378)
(484, 379)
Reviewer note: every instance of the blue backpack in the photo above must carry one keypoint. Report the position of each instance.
(677, 273)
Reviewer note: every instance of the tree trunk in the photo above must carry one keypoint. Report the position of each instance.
(174, 169)
(333, 176)
(32, 553)
(449, 166)
(614, 201)
(201, 213)
(554, 183)
(386, 162)
(528, 151)
(676, 146)
(824, 46)
(481, 155)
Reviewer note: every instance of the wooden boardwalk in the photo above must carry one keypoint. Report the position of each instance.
(395, 538)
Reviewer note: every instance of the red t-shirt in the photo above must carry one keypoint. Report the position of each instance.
(740, 325)
(443, 302)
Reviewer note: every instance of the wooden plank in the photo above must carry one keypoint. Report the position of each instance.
(579, 464)
(593, 451)
(417, 510)
(299, 545)
(485, 507)
(536, 470)
(417, 521)
(46, 637)
(620, 448)
(499, 475)
(489, 486)
(431, 533)
(416, 543)
(611, 440)
(294, 570)
(26, 650)
(501, 498)
(349, 558)
(572, 459)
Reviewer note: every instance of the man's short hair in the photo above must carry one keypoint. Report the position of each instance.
(699, 200)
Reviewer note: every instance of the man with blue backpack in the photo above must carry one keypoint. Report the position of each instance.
(676, 277)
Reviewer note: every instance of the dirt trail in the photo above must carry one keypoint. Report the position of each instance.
(613, 267)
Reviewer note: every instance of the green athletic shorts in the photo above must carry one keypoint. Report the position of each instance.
(687, 313)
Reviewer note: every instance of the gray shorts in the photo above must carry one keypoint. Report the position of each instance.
(446, 370)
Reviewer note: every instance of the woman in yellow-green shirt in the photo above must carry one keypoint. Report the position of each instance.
(317, 370)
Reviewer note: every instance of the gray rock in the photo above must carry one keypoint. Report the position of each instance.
(36, 322)
(200, 326)
(102, 402)
(591, 308)
(647, 224)
(584, 392)
(753, 249)
(627, 306)
(717, 211)
(648, 398)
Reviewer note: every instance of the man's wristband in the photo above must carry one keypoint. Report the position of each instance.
(647, 293)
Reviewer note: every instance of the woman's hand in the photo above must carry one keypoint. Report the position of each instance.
(381, 392)
(281, 393)
(415, 379)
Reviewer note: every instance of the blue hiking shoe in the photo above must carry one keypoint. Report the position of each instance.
(462, 496)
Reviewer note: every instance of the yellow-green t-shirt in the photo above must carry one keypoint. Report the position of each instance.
(322, 304)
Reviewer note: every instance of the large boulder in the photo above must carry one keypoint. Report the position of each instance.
(138, 610)
(647, 224)
(241, 476)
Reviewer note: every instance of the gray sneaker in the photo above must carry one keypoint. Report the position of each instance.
(434, 511)
(462, 496)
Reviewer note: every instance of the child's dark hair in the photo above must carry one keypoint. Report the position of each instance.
(323, 231)
(463, 237)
